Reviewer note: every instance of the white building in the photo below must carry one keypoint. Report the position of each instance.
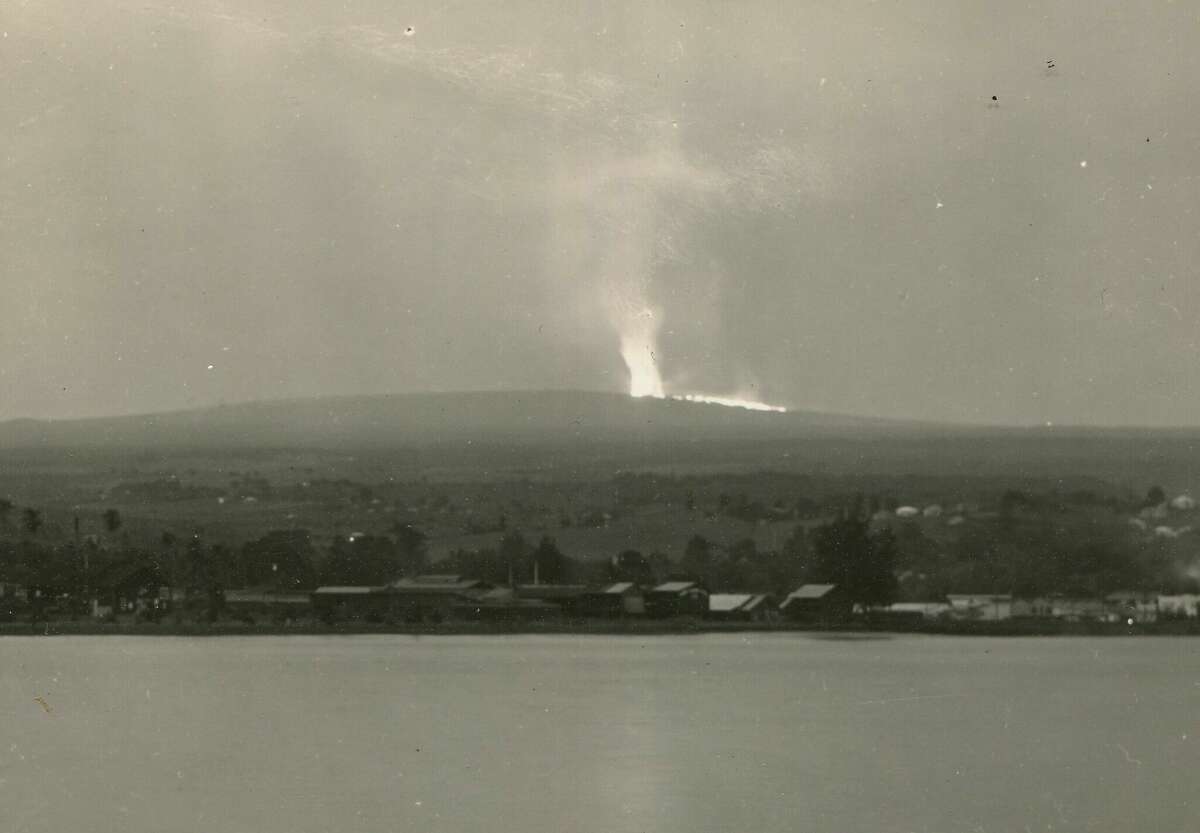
(986, 607)
(1181, 605)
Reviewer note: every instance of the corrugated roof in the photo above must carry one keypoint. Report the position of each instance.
(674, 586)
(1129, 596)
(756, 601)
(811, 591)
(252, 596)
(619, 588)
(233, 597)
(551, 591)
(728, 602)
(418, 585)
(436, 578)
(508, 604)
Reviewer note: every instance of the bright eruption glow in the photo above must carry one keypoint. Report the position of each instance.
(638, 339)
(731, 402)
(638, 345)
(644, 379)
(625, 210)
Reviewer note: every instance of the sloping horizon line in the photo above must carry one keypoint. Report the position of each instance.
(792, 411)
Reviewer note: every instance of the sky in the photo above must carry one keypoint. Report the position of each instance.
(962, 211)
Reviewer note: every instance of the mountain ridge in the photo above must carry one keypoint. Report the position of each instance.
(501, 417)
(405, 418)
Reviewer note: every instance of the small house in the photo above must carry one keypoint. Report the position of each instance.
(677, 598)
(817, 603)
(432, 597)
(338, 602)
(249, 604)
(915, 611)
(1179, 606)
(1065, 608)
(128, 587)
(1037, 607)
(1131, 606)
(982, 607)
(1071, 609)
(740, 607)
(624, 598)
(1183, 503)
(504, 604)
(568, 597)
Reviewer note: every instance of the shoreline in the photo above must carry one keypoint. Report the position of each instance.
(1007, 628)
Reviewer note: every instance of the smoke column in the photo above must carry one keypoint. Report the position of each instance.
(611, 227)
(620, 216)
(639, 340)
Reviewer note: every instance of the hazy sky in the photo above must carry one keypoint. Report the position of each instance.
(818, 203)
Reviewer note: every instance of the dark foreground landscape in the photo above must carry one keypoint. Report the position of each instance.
(588, 512)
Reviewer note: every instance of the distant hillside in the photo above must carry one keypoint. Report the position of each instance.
(422, 419)
(477, 434)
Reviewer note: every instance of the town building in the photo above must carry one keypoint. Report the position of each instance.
(741, 607)
(1184, 503)
(255, 604)
(339, 602)
(504, 604)
(917, 611)
(624, 598)
(432, 597)
(567, 597)
(128, 587)
(985, 607)
(823, 603)
(1178, 606)
(1132, 606)
(677, 598)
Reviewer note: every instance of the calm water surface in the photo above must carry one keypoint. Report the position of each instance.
(772, 732)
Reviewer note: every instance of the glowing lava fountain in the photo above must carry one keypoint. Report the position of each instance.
(731, 402)
(638, 341)
(637, 349)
